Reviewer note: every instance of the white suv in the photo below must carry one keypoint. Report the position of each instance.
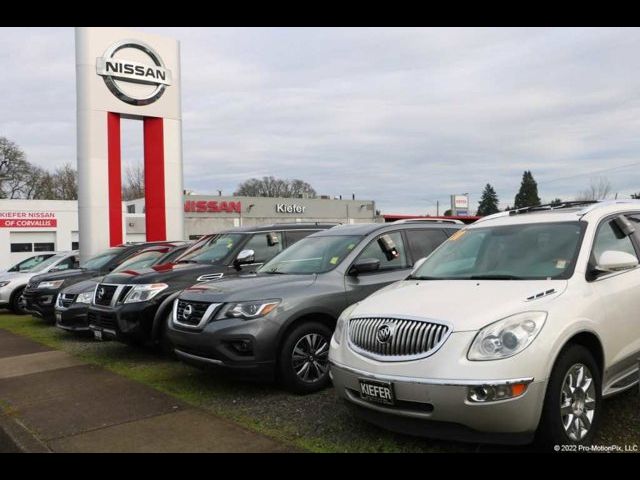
(518, 324)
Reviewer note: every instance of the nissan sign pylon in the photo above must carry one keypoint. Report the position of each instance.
(122, 73)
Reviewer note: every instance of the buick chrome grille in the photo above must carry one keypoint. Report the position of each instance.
(391, 339)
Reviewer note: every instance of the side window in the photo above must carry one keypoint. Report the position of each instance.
(609, 237)
(294, 235)
(422, 242)
(66, 264)
(259, 244)
(373, 250)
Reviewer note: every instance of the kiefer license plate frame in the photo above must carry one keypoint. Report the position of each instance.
(376, 391)
(97, 334)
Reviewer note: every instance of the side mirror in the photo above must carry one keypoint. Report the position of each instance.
(418, 264)
(615, 260)
(625, 226)
(388, 246)
(272, 239)
(245, 257)
(363, 266)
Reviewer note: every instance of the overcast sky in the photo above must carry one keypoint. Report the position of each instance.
(403, 116)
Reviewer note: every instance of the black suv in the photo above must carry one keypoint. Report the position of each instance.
(280, 319)
(132, 306)
(39, 296)
(73, 302)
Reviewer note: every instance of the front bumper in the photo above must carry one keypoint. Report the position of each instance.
(5, 295)
(129, 321)
(217, 345)
(74, 318)
(440, 409)
(41, 303)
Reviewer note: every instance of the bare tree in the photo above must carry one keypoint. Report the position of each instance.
(134, 182)
(65, 181)
(275, 187)
(599, 189)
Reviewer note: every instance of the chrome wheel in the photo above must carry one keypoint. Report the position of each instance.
(577, 402)
(310, 357)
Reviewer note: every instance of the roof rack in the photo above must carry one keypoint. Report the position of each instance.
(430, 220)
(551, 206)
(607, 203)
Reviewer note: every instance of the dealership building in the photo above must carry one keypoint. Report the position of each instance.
(28, 227)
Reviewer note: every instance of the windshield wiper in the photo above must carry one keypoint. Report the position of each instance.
(186, 261)
(274, 272)
(497, 276)
(414, 277)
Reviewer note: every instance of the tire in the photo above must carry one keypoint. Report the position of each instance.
(162, 344)
(16, 306)
(552, 431)
(309, 338)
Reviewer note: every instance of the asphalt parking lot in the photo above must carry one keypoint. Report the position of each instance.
(318, 422)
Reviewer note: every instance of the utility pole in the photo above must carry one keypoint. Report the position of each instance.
(437, 208)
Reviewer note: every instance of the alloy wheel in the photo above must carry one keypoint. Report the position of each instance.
(577, 402)
(310, 357)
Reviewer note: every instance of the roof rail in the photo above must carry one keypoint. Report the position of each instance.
(430, 220)
(551, 206)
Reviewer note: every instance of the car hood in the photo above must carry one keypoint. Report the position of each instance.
(464, 304)
(163, 273)
(254, 286)
(64, 275)
(6, 276)
(83, 286)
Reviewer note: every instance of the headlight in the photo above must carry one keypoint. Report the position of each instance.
(4, 284)
(85, 297)
(249, 310)
(506, 337)
(55, 284)
(342, 322)
(144, 292)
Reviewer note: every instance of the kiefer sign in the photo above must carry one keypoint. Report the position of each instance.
(27, 219)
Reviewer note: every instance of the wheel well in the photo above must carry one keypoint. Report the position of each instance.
(591, 342)
(324, 318)
(15, 293)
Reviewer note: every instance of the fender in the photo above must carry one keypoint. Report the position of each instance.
(161, 315)
(307, 312)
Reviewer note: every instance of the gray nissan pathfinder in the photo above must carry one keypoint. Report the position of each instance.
(280, 319)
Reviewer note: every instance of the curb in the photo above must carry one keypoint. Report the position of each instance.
(20, 436)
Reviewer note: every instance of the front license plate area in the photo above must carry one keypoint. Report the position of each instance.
(97, 334)
(377, 392)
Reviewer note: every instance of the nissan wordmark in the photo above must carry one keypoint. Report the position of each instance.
(41, 292)
(519, 324)
(132, 305)
(72, 303)
(280, 319)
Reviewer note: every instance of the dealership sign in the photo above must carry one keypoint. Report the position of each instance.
(120, 71)
(212, 206)
(27, 219)
(290, 208)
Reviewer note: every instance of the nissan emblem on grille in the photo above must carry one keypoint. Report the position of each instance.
(101, 292)
(384, 333)
(390, 339)
(186, 313)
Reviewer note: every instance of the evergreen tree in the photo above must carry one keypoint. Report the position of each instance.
(528, 194)
(555, 202)
(488, 203)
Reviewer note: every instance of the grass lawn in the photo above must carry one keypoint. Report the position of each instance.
(318, 422)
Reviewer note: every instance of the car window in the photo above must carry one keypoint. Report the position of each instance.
(139, 260)
(66, 264)
(295, 235)
(609, 237)
(422, 242)
(31, 263)
(263, 251)
(374, 250)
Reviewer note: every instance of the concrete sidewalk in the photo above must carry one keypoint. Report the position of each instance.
(51, 402)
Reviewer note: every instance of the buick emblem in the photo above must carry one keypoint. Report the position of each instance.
(133, 72)
(385, 332)
(100, 293)
(186, 313)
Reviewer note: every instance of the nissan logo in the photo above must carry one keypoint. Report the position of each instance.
(384, 334)
(100, 293)
(133, 72)
(186, 313)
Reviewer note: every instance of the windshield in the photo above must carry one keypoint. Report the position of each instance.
(100, 260)
(34, 264)
(217, 250)
(48, 262)
(140, 260)
(513, 252)
(312, 255)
